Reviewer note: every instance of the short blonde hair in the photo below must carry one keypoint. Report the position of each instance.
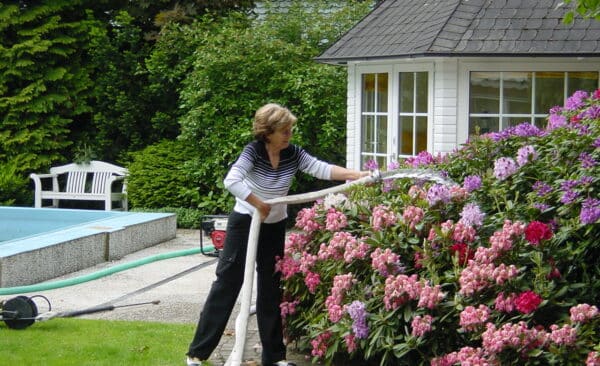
(270, 118)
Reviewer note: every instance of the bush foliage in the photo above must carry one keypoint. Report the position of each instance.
(157, 178)
(497, 268)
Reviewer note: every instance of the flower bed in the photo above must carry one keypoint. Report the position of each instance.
(499, 269)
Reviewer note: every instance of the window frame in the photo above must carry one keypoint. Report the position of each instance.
(505, 65)
(393, 114)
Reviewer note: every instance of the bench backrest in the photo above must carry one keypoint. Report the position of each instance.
(77, 175)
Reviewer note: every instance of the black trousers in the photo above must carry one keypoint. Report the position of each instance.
(225, 289)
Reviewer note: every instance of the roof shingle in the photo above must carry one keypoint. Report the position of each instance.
(409, 28)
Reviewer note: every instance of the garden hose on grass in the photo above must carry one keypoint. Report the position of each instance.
(102, 273)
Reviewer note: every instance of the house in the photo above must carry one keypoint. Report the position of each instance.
(427, 74)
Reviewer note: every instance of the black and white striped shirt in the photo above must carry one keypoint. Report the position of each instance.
(253, 173)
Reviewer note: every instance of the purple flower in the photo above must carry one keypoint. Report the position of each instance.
(371, 165)
(524, 129)
(541, 188)
(569, 196)
(526, 154)
(541, 206)
(357, 312)
(393, 165)
(592, 112)
(423, 158)
(504, 167)
(471, 215)
(556, 121)
(585, 180)
(596, 143)
(587, 160)
(472, 183)
(590, 211)
(577, 100)
(438, 193)
(569, 184)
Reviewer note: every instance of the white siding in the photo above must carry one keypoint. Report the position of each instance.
(445, 106)
(352, 134)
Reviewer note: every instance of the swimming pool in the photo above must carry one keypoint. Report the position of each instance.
(38, 244)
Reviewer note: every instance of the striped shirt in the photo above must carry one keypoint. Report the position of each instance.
(253, 173)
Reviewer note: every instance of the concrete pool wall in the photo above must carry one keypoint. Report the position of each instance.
(80, 239)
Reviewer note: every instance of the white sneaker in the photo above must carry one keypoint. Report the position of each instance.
(193, 361)
(284, 363)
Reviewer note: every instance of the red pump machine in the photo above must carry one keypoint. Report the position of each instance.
(213, 226)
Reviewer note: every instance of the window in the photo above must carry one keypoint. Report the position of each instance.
(499, 100)
(374, 118)
(392, 130)
(413, 109)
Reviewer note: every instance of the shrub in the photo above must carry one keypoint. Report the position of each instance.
(13, 186)
(499, 268)
(157, 178)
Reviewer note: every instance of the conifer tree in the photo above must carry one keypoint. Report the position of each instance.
(43, 79)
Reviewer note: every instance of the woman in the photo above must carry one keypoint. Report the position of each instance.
(263, 171)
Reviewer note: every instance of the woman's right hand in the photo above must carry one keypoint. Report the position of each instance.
(263, 208)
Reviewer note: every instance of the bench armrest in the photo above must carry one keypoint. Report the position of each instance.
(41, 176)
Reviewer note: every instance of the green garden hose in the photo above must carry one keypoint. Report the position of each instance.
(102, 273)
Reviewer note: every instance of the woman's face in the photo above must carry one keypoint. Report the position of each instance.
(280, 139)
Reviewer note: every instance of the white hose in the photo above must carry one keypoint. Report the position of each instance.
(241, 322)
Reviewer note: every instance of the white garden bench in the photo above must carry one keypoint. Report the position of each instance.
(92, 181)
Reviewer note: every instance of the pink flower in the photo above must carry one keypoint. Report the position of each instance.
(350, 340)
(429, 296)
(593, 358)
(341, 283)
(306, 220)
(400, 289)
(412, 216)
(320, 344)
(287, 266)
(421, 325)
(527, 301)
(537, 231)
(337, 246)
(505, 304)
(355, 249)
(335, 220)
(312, 281)
(385, 262)
(582, 313)
(566, 335)
(463, 232)
(288, 308)
(472, 318)
(383, 217)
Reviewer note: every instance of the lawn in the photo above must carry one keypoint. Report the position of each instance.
(95, 342)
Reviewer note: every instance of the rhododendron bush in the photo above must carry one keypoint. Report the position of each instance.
(499, 268)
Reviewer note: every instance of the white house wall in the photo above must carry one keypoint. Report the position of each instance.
(445, 107)
(449, 93)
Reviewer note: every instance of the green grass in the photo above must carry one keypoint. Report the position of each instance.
(67, 341)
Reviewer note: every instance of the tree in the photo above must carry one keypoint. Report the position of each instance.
(44, 82)
(588, 9)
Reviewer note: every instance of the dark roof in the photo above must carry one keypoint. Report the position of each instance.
(420, 28)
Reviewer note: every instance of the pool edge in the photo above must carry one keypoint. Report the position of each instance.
(97, 242)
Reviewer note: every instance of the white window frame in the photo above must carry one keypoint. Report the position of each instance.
(393, 71)
(507, 65)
